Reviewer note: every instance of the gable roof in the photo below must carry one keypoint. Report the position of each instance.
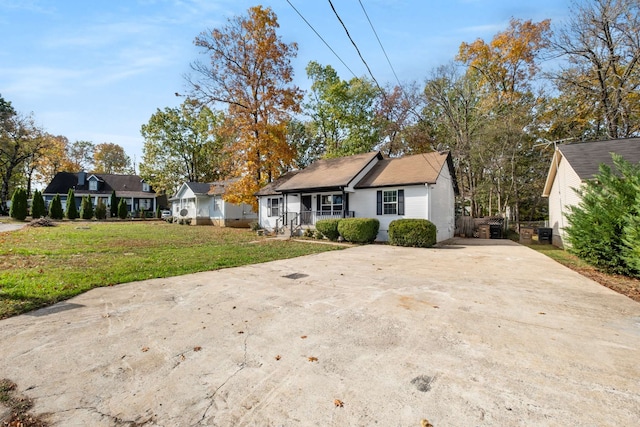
(416, 169)
(198, 187)
(586, 157)
(271, 188)
(124, 185)
(329, 173)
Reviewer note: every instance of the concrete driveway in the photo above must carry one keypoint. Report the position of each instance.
(478, 333)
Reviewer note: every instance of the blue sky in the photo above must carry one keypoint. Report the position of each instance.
(98, 69)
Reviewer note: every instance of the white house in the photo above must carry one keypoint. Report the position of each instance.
(364, 185)
(571, 165)
(203, 204)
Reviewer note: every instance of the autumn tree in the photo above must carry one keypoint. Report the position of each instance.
(401, 125)
(504, 69)
(80, 155)
(249, 71)
(601, 42)
(453, 108)
(53, 159)
(343, 113)
(20, 138)
(183, 144)
(111, 159)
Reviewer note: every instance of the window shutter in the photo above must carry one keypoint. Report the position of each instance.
(400, 202)
(318, 203)
(379, 204)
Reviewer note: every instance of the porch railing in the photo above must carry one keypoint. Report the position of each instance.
(309, 218)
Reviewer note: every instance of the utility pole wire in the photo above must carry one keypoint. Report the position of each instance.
(323, 40)
(356, 46)
(380, 43)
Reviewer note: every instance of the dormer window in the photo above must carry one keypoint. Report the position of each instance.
(146, 187)
(93, 185)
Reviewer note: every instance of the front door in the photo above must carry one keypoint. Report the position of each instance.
(305, 211)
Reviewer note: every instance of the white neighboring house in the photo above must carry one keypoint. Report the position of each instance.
(572, 164)
(204, 205)
(366, 186)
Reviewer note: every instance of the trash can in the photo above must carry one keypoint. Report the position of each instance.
(495, 231)
(545, 235)
(526, 235)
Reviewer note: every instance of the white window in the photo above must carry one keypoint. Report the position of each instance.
(273, 206)
(331, 204)
(390, 202)
(146, 187)
(145, 204)
(93, 185)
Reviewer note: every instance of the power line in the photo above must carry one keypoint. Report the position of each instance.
(380, 43)
(355, 45)
(323, 40)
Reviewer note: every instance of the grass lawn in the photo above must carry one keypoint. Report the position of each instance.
(43, 265)
(621, 284)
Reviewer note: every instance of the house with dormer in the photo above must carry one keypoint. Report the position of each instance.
(137, 193)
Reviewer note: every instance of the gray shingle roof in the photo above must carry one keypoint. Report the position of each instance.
(586, 157)
(124, 185)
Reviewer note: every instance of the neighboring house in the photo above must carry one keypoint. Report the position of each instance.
(204, 205)
(365, 186)
(132, 188)
(571, 165)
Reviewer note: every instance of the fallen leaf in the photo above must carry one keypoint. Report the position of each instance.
(339, 403)
(304, 337)
(425, 423)
(278, 357)
(197, 348)
(542, 312)
(145, 349)
(241, 332)
(312, 359)
(435, 306)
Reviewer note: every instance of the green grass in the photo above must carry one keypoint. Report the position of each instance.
(560, 255)
(41, 266)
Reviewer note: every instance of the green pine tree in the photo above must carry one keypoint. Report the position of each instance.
(599, 225)
(71, 210)
(37, 205)
(101, 210)
(55, 208)
(86, 208)
(122, 209)
(113, 208)
(19, 208)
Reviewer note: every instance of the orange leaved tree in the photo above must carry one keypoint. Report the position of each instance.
(249, 71)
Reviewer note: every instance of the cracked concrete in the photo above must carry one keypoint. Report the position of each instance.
(476, 333)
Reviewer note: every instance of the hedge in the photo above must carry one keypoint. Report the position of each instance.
(419, 233)
(329, 228)
(359, 230)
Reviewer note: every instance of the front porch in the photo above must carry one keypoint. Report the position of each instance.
(291, 222)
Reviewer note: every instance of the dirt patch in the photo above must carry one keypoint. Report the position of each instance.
(621, 284)
(17, 407)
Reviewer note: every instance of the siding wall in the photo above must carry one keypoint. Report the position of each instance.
(562, 196)
(364, 203)
(443, 206)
